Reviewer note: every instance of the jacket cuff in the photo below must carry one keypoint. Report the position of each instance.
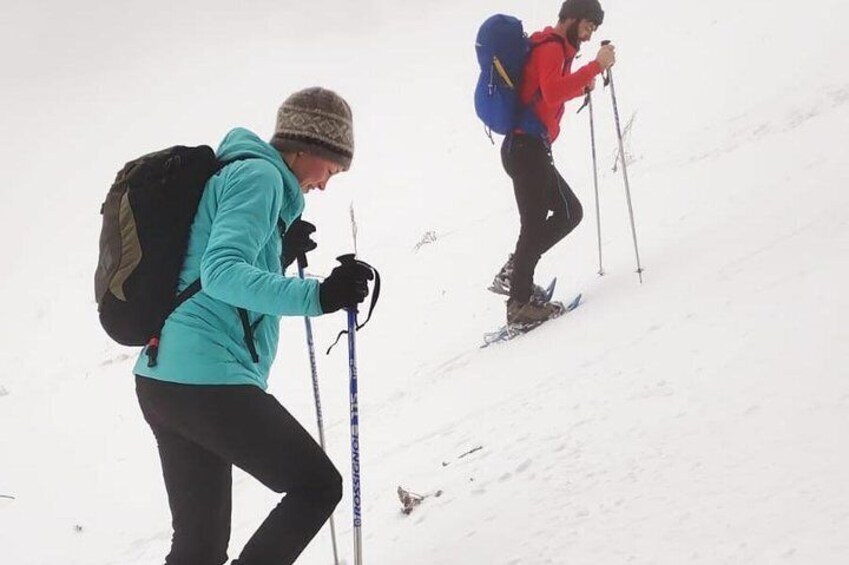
(596, 66)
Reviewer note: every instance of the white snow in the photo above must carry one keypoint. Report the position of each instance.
(697, 418)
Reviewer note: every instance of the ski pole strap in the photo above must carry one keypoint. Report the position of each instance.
(586, 102)
(375, 295)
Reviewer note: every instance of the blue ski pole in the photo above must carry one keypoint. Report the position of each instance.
(355, 436)
(302, 263)
(355, 425)
(355, 409)
(355, 422)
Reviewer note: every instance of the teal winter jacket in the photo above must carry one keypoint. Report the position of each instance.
(235, 248)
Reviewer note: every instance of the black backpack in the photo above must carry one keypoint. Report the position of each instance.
(147, 216)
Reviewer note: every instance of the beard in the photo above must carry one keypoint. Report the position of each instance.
(572, 35)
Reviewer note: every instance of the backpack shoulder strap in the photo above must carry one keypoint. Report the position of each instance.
(187, 293)
(551, 39)
(538, 94)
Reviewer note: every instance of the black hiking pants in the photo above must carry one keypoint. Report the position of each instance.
(201, 432)
(539, 189)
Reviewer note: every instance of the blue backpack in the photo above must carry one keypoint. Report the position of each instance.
(502, 49)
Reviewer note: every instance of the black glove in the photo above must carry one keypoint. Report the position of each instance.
(297, 241)
(346, 287)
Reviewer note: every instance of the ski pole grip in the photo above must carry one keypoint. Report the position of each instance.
(348, 259)
(606, 74)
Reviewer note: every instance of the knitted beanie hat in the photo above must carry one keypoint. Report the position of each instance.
(582, 10)
(316, 121)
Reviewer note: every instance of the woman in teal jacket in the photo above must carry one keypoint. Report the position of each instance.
(205, 397)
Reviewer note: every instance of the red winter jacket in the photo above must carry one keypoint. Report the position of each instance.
(549, 73)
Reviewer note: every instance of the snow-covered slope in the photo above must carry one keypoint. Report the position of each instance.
(696, 418)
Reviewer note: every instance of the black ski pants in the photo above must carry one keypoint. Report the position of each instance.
(539, 189)
(201, 432)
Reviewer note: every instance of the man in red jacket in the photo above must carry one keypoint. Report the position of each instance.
(548, 83)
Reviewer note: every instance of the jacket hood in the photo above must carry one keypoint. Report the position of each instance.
(241, 143)
(547, 35)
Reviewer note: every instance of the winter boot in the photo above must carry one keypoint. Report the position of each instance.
(529, 313)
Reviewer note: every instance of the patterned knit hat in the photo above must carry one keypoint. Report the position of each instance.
(316, 121)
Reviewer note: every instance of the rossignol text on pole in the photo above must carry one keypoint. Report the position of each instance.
(355, 437)
(355, 412)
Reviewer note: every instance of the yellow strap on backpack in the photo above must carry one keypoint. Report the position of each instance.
(502, 71)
